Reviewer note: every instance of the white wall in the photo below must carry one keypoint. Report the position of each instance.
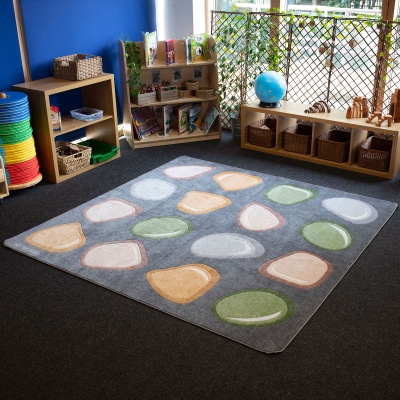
(177, 19)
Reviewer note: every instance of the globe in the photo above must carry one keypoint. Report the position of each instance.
(270, 87)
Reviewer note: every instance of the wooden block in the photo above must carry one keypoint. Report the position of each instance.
(349, 112)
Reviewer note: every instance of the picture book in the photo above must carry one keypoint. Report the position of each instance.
(144, 121)
(209, 120)
(199, 47)
(169, 51)
(168, 118)
(183, 118)
(150, 47)
(194, 114)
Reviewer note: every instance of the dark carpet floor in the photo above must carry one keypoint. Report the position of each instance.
(64, 338)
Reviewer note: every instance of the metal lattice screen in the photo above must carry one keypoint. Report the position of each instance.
(332, 59)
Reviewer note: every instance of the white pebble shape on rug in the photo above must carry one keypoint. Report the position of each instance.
(187, 171)
(152, 189)
(227, 245)
(352, 210)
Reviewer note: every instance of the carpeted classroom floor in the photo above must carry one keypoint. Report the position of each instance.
(62, 337)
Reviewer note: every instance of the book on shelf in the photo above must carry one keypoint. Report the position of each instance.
(144, 122)
(169, 51)
(150, 47)
(183, 118)
(199, 47)
(194, 117)
(168, 118)
(209, 120)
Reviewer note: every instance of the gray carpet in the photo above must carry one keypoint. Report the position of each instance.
(243, 254)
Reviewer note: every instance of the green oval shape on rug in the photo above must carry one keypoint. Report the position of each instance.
(327, 235)
(254, 307)
(162, 228)
(289, 194)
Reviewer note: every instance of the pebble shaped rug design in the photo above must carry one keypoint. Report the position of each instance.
(243, 254)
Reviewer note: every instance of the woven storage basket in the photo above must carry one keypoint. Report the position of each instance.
(70, 163)
(77, 67)
(374, 153)
(192, 85)
(262, 133)
(205, 92)
(182, 93)
(297, 138)
(334, 145)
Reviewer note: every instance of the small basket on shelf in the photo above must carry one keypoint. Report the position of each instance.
(183, 93)
(262, 133)
(297, 138)
(192, 85)
(334, 145)
(71, 157)
(77, 67)
(205, 92)
(375, 153)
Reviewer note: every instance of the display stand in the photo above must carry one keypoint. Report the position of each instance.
(290, 113)
(97, 93)
(185, 71)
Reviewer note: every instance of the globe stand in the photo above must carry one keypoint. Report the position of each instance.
(263, 104)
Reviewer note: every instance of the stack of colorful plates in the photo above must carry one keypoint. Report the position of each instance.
(17, 141)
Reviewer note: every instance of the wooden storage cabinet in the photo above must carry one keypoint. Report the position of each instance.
(98, 93)
(166, 72)
(288, 115)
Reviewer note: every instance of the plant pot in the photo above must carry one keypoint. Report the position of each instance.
(236, 128)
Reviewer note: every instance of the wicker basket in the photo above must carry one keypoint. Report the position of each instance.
(262, 133)
(70, 163)
(334, 145)
(205, 92)
(77, 67)
(192, 85)
(297, 138)
(374, 153)
(182, 93)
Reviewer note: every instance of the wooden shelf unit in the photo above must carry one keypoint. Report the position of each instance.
(3, 180)
(288, 114)
(209, 79)
(98, 93)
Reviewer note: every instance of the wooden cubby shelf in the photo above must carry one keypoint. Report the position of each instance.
(289, 113)
(97, 93)
(209, 78)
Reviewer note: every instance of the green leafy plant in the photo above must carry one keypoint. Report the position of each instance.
(133, 59)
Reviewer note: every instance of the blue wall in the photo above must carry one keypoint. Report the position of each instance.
(10, 65)
(54, 29)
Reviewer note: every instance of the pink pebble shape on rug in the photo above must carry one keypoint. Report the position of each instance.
(187, 171)
(300, 268)
(258, 217)
(120, 255)
(110, 210)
